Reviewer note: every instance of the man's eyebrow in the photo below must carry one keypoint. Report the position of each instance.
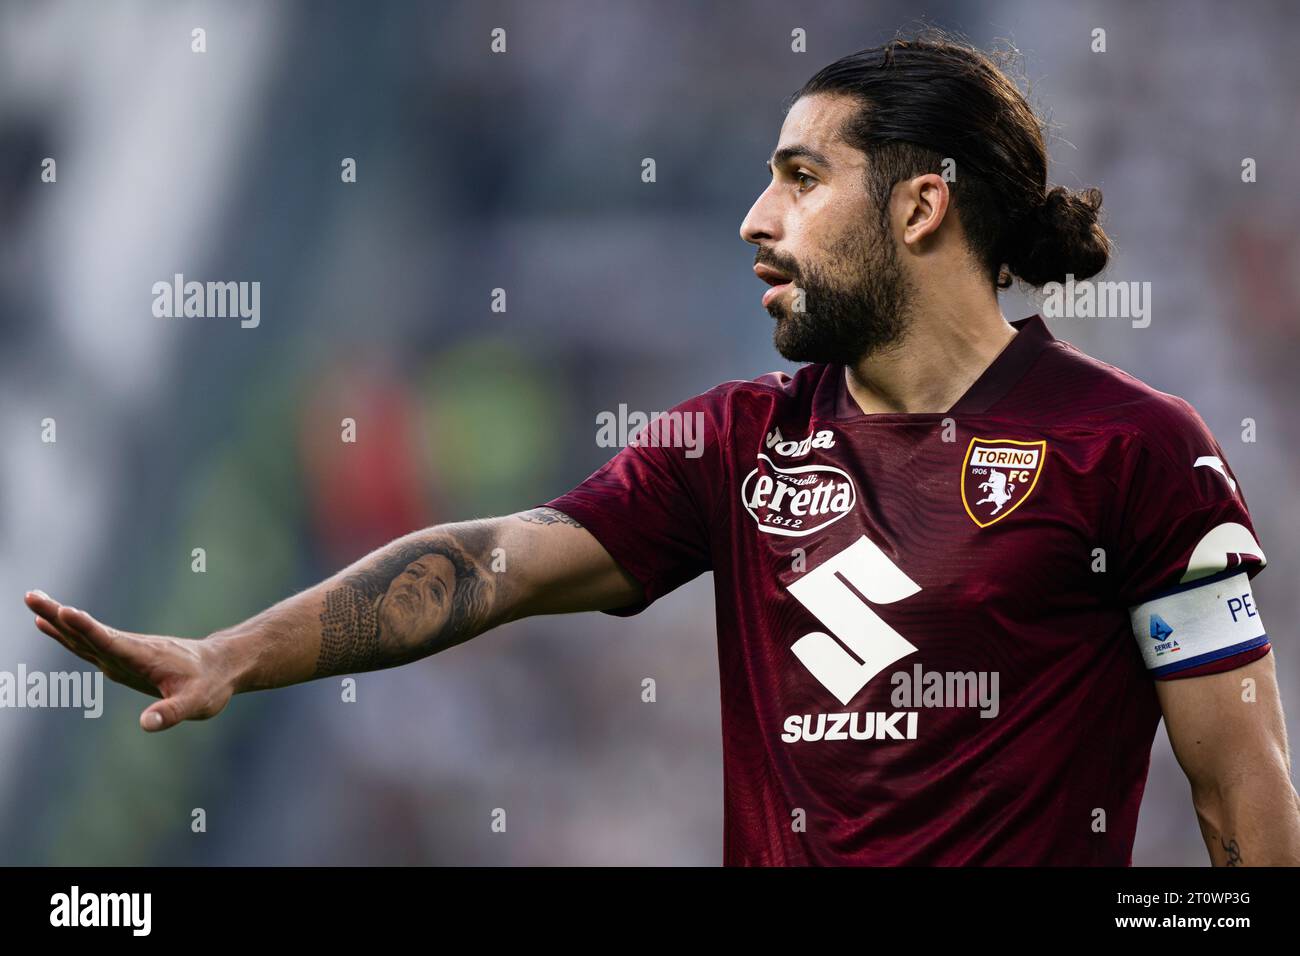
(787, 153)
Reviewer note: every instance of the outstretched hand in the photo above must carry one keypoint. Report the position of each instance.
(186, 674)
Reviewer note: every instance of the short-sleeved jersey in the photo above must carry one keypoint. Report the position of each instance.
(938, 633)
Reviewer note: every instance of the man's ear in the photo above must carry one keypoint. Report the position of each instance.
(926, 199)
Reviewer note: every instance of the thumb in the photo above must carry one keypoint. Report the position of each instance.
(166, 713)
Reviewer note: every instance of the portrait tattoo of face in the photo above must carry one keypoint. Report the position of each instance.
(403, 605)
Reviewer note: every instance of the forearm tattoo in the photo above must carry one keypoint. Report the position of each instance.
(411, 599)
(548, 516)
(349, 632)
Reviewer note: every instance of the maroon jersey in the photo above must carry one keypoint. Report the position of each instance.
(938, 633)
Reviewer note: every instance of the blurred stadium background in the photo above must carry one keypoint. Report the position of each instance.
(519, 171)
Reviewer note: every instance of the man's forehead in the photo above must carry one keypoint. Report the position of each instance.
(814, 123)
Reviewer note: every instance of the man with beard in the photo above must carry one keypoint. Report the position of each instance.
(939, 501)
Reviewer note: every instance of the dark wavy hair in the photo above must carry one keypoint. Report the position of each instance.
(935, 97)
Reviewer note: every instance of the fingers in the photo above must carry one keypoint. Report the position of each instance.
(104, 640)
(49, 623)
(122, 657)
(44, 605)
(48, 629)
(76, 625)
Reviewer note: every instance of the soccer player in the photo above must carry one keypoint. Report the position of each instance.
(961, 568)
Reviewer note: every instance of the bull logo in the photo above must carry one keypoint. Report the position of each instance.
(998, 475)
(999, 490)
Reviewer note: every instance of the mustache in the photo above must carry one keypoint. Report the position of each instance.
(785, 267)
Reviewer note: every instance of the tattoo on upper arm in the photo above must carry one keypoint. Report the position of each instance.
(547, 516)
(1232, 851)
(412, 598)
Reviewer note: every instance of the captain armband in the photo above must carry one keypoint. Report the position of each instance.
(1198, 623)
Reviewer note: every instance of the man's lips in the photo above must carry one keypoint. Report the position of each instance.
(775, 291)
(779, 281)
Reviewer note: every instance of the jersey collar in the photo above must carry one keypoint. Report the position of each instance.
(1032, 336)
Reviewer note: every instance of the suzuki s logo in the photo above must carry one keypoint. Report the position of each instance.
(998, 475)
(796, 501)
(856, 645)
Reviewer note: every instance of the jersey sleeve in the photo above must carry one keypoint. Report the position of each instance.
(1187, 551)
(652, 505)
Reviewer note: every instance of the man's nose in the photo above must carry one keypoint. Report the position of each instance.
(760, 224)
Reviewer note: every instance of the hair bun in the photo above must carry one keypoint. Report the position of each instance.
(1062, 236)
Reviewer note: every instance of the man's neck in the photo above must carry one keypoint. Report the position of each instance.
(941, 355)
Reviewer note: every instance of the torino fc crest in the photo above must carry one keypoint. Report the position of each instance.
(997, 476)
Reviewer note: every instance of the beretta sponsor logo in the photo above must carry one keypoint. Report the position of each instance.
(796, 501)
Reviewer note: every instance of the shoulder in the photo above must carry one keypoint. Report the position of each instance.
(779, 385)
(1146, 438)
(1069, 385)
(733, 411)
(777, 390)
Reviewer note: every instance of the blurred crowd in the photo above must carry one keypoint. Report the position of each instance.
(518, 171)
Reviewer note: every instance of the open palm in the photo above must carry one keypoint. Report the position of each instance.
(182, 672)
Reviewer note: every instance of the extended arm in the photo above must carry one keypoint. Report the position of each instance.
(1229, 735)
(415, 596)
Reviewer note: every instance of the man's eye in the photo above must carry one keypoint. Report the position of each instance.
(800, 177)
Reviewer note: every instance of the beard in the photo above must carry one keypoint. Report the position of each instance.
(854, 305)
